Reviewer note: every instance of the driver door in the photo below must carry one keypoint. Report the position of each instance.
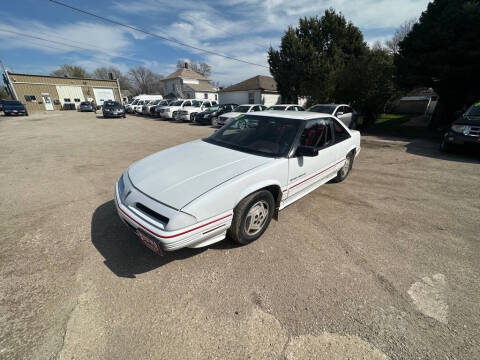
(307, 173)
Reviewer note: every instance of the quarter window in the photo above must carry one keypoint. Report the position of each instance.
(317, 134)
(340, 132)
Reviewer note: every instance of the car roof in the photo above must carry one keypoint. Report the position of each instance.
(298, 115)
(250, 104)
(285, 105)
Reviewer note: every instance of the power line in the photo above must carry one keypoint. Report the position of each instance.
(155, 35)
(69, 45)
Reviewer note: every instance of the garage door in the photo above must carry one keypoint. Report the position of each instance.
(68, 94)
(103, 94)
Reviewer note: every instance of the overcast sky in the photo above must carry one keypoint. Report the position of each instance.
(238, 28)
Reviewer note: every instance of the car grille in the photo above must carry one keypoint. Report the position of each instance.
(151, 213)
(163, 110)
(474, 131)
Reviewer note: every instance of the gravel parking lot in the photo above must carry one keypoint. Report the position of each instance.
(383, 265)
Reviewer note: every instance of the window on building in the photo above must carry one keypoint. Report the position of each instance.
(216, 97)
(251, 98)
(56, 102)
(30, 98)
(76, 100)
(66, 100)
(205, 96)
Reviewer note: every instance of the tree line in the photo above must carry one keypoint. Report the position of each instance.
(326, 59)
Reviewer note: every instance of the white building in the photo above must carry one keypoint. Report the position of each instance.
(257, 90)
(188, 84)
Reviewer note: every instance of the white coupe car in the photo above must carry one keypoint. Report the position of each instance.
(234, 181)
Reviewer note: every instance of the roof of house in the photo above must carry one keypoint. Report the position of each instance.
(259, 82)
(201, 86)
(185, 74)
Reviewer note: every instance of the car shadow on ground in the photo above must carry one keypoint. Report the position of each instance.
(426, 147)
(123, 252)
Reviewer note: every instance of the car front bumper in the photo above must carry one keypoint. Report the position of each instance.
(456, 139)
(199, 234)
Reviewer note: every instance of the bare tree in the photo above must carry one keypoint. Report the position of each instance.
(104, 73)
(70, 71)
(400, 34)
(145, 81)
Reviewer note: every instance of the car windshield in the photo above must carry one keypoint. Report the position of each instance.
(163, 103)
(110, 104)
(84, 103)
(214, 108)
(277, 107)
(474, 110)
(324, 109)
(259, 135)
(177, 103)
(242, 108)
(196, 103)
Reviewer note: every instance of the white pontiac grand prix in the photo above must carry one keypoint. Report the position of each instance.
(234, 181)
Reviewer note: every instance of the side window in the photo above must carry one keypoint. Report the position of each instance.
(255, 108)
(317, 134)
(347, 109)
(300, 108)
(206, 104)
(340, 132)
(187, 103)
(339, 111)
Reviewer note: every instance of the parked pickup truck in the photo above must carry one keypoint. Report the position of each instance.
(14, 107)
(188, 112)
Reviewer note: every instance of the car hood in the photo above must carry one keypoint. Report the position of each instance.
(468, 120)
(192, 108)
(232, 114)
(179, 175)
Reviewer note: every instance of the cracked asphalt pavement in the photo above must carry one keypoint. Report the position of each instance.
(382, 266)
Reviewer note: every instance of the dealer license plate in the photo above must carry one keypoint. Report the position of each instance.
(149, 242)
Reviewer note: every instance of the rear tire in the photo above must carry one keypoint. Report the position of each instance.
(346, 168)
(251, 217)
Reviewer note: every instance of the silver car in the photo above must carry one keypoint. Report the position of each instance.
(343, 112)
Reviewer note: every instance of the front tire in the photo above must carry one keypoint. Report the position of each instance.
(251, 217)
(346, 168)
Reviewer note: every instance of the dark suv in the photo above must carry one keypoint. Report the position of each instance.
(465, 131)
(113, 109)
(14, 107)
(209, 116)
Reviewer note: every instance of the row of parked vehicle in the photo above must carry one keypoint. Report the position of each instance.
(210, 112)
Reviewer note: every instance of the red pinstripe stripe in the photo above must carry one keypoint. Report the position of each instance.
(172, 236)
(311, 177)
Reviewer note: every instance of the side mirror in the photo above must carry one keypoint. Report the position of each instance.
(309, 151)
(340, 113)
